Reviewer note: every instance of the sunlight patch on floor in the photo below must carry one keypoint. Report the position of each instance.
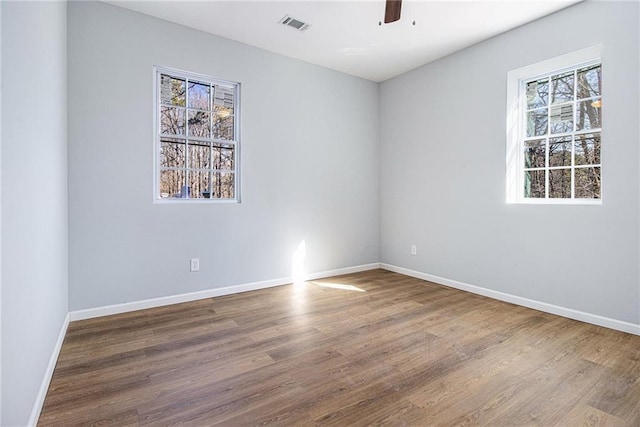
(339, 286)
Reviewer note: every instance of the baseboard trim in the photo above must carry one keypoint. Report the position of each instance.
(582, 316)
(340, 271)
(209, 293)
(48, 374)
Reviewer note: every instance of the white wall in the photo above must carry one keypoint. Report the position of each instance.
(443, 172)
(34, 198)
(309, 165)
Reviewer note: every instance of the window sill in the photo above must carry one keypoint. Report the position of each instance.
(195, 201)
(577, 202)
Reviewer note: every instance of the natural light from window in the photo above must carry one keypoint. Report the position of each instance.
(297, 263)
(554, 128)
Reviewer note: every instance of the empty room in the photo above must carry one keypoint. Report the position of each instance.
(374, 212)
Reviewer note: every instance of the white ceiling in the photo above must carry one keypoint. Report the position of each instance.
(345, 35)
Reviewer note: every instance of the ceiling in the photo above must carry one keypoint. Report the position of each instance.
(346, 35)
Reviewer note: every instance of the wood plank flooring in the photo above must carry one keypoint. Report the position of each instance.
(372, 348)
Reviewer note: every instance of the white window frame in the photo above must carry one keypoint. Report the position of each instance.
(516, 106)
(157, 198)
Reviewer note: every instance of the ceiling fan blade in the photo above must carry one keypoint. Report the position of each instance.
(392, 11)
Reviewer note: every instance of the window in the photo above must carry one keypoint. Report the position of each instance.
(554, 131)
(197, 137)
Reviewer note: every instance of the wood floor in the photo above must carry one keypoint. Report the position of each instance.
(372, 348)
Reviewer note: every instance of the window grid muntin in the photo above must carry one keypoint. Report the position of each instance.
(229, 90)
(573, 134)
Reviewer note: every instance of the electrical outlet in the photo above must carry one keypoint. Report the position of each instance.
(195, 264)
(414, 250)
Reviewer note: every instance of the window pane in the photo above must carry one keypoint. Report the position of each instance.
(589, 114)
(223, 156)
(172, 153)
(537, 93)
(223, 113)
(172, 184)
(588, 183)
(587, 149)
(199, 124)
(199, 95)
(223, 185)
(199, 184)
(534, 186)
(223, 97)
(223, 123)
(560, 151)
(172, 121)
(562, 88)
(172, 90)
(590, 81)
(560, 183)
(534, 153)
(199, 155)
(561, 118)
(537, 122)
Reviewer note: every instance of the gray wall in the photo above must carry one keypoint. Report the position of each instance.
(34, 198)
(310, 142)
(443, 172)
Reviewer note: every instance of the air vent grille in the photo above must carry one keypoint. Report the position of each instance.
(294, 23)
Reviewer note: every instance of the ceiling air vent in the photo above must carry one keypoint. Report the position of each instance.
(294, 23)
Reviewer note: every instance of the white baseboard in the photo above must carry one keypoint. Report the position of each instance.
(594, 319)
(48, 374)
(209, 293)
(340, 271)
